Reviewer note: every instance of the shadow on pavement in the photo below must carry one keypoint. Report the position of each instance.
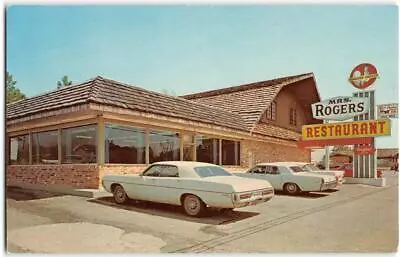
(211, 217)
(331, 190)
(303, 195)
(22, 194)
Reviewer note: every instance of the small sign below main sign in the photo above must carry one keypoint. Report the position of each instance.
(364, 150)
(388, 111)
(363, 75)
(340, 108)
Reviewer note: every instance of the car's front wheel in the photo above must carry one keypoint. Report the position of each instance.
(291, 188)
(193, 205)
(120, 195)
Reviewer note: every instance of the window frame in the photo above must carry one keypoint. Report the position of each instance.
(236, 155)
(293, 116)
(33, 139)
(29, 143)
(270, 112)
(160, 171)
(63, 151)
(129, 129)
(164, 166)
(270, 170)
(262, 168)
(149, 168)
(176, 146)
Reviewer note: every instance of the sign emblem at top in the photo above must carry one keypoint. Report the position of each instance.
(363, 75)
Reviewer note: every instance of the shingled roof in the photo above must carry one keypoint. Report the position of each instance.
(249, 101)
(112, 93)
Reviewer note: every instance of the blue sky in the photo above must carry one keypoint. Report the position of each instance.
(190, 48)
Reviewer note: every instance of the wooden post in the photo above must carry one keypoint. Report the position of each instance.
(59, 139)
(100, 141)
(194, 153)
(147, 143)
(30, 147)
(181, 145)
(7, 157)
(220, 151)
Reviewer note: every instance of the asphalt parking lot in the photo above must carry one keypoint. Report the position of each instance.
(356, 218)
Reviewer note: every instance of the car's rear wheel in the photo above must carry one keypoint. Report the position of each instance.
(120, 195)
(291, 188)
(193, 205)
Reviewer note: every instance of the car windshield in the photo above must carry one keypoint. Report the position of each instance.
(297, 169)
(310, 167)
(211, 171)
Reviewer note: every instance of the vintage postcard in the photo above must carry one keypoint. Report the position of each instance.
(217, 128)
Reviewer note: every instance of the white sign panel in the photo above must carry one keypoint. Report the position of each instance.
(340, 108)
(387, 111)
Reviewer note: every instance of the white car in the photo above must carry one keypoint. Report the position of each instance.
(292, 179)
(193, 185)
(339, 174)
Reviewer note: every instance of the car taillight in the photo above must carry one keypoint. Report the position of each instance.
(234, 197)
(245, 196)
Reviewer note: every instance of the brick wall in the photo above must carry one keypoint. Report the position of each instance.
(120, 169)
(235, 168)
(76, 175)
(255, 152)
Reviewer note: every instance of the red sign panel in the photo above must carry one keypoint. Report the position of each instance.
(319, 143)
(364, 150)
(363, 75)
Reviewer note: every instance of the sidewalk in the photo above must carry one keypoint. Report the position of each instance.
(90, 193)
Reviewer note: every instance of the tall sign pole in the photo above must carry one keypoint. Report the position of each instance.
(361, 77)
(326, 153)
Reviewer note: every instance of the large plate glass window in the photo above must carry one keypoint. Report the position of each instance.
(19, 150)
(188, 147)
(78, 144)
(230, 152)
(207, 149)
(125, 145)
(164, 146)
(45, 147)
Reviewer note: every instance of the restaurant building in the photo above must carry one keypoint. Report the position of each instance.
(74, 135)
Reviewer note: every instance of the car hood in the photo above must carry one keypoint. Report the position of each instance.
(241, 184)
(327, 178)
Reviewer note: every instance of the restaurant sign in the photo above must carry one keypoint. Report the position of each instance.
(340, 108)
(355, 129)
(388, 111)
(363, 75)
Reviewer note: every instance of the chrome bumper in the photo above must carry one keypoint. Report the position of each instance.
(328, 185)
(254, 199)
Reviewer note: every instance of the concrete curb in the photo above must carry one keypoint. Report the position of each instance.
(378, 182)
(89, 193)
